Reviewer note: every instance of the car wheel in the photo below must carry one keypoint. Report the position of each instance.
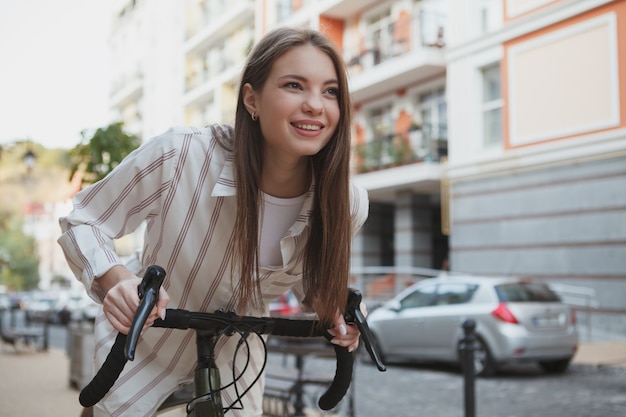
(484, 364)
(555, 367)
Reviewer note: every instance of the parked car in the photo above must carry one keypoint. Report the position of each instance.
(80, 307)
(40, 307)
(516, 320)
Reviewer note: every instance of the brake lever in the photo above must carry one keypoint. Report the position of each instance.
(148, 291)
(354, 315)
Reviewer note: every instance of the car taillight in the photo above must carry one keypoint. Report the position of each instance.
(503, 313)
(572, 316)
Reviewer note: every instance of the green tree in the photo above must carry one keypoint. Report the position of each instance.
(19, 263)
(95, 157)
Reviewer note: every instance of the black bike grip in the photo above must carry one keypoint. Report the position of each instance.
(148, 292)
(341, 382)
(106, 376)
(174, 319)
(345, 360)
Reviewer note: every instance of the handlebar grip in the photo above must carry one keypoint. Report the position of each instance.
(341, 382)
(345, 360)
(106, 376)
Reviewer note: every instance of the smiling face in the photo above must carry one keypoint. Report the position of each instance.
(297, 106)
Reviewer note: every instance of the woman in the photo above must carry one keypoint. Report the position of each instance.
(236, 216)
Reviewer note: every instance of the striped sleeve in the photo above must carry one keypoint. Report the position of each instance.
(114, 207)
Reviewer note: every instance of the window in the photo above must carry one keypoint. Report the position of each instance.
(381, 122)
(448, 294)
(526, 292)
(433, 112)
(489, 15)
(491, 106)
(421, 297)
(379, 34)
(286, 8)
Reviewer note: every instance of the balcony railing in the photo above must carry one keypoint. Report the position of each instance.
(424, 30)
(428, 143)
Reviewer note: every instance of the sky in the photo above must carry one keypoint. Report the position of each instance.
(54, 70)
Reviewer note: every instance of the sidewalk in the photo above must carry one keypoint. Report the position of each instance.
(37, 383)
(602, 354)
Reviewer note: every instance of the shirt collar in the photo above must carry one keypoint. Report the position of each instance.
(225, 184)
(225, 187)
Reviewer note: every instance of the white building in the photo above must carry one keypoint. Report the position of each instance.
(525, 98)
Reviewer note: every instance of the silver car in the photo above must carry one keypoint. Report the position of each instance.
(516, 320)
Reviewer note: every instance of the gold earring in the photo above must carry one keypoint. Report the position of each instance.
(254, 117)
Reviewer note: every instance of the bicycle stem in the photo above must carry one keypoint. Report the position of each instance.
(208, 401)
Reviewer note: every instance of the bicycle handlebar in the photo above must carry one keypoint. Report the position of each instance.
(124, 346)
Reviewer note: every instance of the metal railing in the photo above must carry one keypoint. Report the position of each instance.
(580, 298)
(380, 283)
(425, 29)
(428, 143)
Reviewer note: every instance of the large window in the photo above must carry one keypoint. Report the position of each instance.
(379, 34)
(492, 106)
(286, 8)
(433, 112)
(432, 142)
(381, 122)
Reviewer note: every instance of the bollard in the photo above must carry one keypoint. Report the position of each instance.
(46, 333)
(467, 362)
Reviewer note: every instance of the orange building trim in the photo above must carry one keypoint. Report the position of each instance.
(619, 8)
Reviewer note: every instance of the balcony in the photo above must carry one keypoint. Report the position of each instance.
(388, 58)
(126, 88)
(426, 144)
(344, 9)
(217, 26)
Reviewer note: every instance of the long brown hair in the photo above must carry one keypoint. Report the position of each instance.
(327, 253)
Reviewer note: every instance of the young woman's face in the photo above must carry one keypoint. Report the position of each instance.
(298, 106)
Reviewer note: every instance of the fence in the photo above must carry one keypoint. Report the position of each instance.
(581, 298)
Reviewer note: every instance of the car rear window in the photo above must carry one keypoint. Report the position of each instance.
(521, 292)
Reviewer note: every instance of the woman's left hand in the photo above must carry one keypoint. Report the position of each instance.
(346, 335)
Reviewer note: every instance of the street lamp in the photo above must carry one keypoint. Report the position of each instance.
(29, 159)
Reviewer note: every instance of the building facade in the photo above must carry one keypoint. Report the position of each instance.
(490, 134)
(537, 164)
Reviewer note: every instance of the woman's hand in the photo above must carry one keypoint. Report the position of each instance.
(346, 335)
(122, 299)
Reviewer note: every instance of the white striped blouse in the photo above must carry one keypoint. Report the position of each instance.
(181, 183)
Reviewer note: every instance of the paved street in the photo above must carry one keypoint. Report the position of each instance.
(520, 392)
(586, 390)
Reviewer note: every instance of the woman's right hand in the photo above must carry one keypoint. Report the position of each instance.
(121, 300)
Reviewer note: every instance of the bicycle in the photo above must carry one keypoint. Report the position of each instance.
(204, 400)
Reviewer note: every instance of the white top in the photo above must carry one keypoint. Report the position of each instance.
(181, 183)
(278, 215)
